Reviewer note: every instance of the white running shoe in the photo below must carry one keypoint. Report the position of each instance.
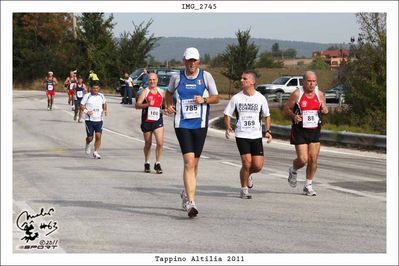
(184, 199)
(244, 194)
(308, 190)
(192, 210)
(292, 177)
(96, 155)
(250, 182)
(87, 148)
(80, 120)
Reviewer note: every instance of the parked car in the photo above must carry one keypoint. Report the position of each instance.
(281, 85)
(336, 94)
(137, 75)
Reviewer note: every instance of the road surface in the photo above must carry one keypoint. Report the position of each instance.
(112, 206)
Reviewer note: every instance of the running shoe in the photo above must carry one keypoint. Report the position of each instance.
(292, 177)
(308, 190)
(51, 108)
(244, 194)
(192, 210)
(184, 199)
(73, 108)
(157, 168)
(147, 168)
(80, 120)
(75, 117)
(96, 155)
(87, 148)
(250, 182)
(48, 109)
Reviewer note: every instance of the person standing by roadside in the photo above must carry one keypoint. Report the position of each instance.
(150, 101)
(49, 84)
(94, 107)
(249, 106)
(80, 91)
(195, 90)
(128, 93)
(305, 106)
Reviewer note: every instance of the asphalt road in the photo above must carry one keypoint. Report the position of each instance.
(112, 206)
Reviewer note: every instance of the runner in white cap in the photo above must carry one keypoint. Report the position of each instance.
(195, 90)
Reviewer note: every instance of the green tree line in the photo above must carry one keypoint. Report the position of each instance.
(45, 42)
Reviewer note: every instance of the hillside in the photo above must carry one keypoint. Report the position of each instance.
(173, 47)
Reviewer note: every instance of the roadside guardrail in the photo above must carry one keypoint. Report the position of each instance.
(329, 136)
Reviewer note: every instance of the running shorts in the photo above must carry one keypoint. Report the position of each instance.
(252, 146)
(151, 126)
(191, 140)
(93, 126)
(52, 92)
(301, 135)
(77, 103)
(71, 92)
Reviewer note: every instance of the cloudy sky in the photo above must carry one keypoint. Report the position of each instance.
(313, 27)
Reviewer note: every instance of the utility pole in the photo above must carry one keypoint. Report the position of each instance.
(74, 26)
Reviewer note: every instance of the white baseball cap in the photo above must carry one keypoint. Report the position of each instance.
(191, 53)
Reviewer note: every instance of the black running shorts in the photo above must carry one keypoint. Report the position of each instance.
(300, 135)
(191, 140)
(151, 126)
(250, 146)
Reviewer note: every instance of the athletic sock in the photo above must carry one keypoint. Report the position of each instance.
(308, 182)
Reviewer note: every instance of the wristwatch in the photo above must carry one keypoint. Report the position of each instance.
(205, 99)
(269, 131)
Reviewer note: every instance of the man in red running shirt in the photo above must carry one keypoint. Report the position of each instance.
(305, 106)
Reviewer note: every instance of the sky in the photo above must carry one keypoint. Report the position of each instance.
(307, 27)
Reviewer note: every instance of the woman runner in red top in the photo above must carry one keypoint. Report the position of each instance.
(150, 101)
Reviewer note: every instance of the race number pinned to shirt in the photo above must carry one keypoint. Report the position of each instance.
(96, 113)
(71, 86)
(248, 121)
(191, 109)
(79, 94)
(153, 113)
(50, 87)
(310, 118)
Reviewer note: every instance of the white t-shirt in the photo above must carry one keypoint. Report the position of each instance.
(94, 103)
(249, 110)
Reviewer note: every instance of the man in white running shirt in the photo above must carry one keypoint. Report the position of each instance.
(249, 106)
(94, 107)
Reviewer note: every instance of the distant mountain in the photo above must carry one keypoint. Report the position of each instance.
(173, 47)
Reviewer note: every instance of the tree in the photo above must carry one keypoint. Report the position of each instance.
(206, 59)
(364, 79)
(319, 63)
(97, 46)
(276, 52)
(267, 60)
(289, 53)
(239, 57)
(41, 42)
(141, 44)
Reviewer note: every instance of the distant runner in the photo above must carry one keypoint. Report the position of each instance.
(94, 107)
(70, 83)
(80, 91)
(305, 106)
(249, 106)
(49, 84)
(150, 101)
